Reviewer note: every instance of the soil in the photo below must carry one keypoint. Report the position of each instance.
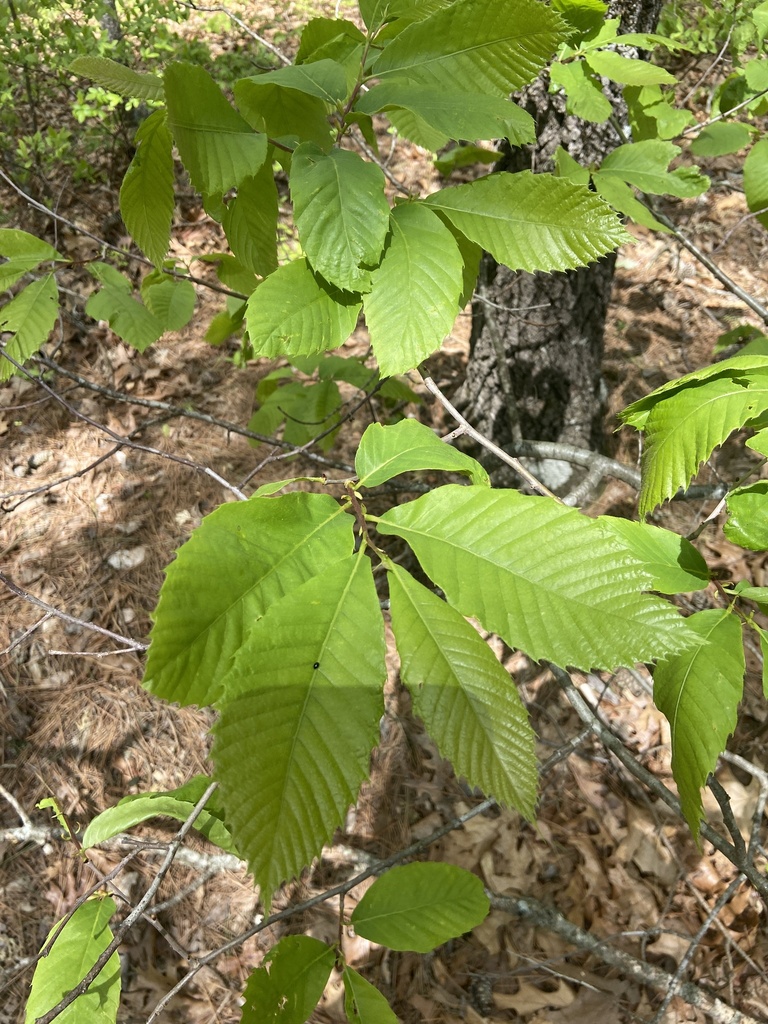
(88, 526)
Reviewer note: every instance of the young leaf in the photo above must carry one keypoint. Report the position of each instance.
(288, 992)
(23, 253)
(532, 221)
(341, 212)
(81, 942)
(308, 682)
(178, 803)
(747, 523)
(756, 180)
(420, 906)
(30, 315)
(216, 145)
(627, 71)
(292, 313)
(249, 555)
(363, 1003)
(622, 198)
(406, 447)
(118, 78)
(673, 562)
(331, 38)
(250, 222)
(721, 138)
(414, 296)
(584, 96)
(128, 318)
(544, 577)
(475, 46)
(644, 165)
(172, 301)
(147, 193)
(684, 429)
(467, 701)
(699, 692)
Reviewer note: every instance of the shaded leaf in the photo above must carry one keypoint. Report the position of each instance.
(23, 253)
(30, 315)
(250, 222)
(115, 303)
(118, 78)
(584, 95)
(747, 523)
(172, 301)
(288, 992)
(756, 180)
(644, 165)
(673, 562)
(363, 1003)
(626, 70)
(721, 138)
(147, 194)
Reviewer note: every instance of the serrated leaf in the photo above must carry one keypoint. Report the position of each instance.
(250, 222)
(249, 555)
(585, 17)
(475, 45)
(30, 315)
(532, 221)
(341, 213)
(468, 702)
(673, 562)
(308, 682)
(23, 252)
(747, 523)
(118, 78)
(756, 180)
(126, 316)
(415, 291)
(626, 70)
(569, 168)
(420, 906)
(682, 431)
(721, 138)
(324, 79)
(547, 579)
(450, 114)
(644, 165)
(584, 96)
(178, 804)
(409, 446)
(333, 39)
(147, 193)
(216, 145)
(699, 692)
(172, 301)
(287, 993)
(81, 942)
(283, 113)
(363, 1003)
(622, 198)
(293, 313)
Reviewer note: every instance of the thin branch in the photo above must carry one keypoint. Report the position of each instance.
(134, 645)
(23, 816)
(238, 21)
(502, 366)
(466, 428)
(20, 639)
(694, 128)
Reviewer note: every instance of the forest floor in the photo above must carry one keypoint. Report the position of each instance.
(92, 538)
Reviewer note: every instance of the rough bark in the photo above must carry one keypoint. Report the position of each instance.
(537, 340)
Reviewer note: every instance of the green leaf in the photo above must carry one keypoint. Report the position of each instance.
(308, 682)
(341, 213)
(699, 692)
(673, 562)
(30, 315)
(622, 198)
(285, 114)
(684, 429)
(547, 579)
(584, 95)
(420, 906)
(449, 115)
(465, 156)
(81, 942)
(292, 313)
(118, 78)
(414, 296)
(532, 221)
(288, 992)
(172, 301)
(178, 803)
(24, 252)
(249, 555)
(409, 446)
(466, 699)
(569, 168)
(128, 318)
(324, 79)
(756, 74)
(475, 46)
(763, 635)
(363, 1003)
(627, 71)
(585, 17)
(335, 39)
(747, 523)
(721, 138)
(147, 194)
(216, 145)
(756, 180)
(250, 222)
(644, 165)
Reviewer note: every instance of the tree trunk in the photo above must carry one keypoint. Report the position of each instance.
(537, 339)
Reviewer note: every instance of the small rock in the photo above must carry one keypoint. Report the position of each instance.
(127, 558)
(40, 458)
